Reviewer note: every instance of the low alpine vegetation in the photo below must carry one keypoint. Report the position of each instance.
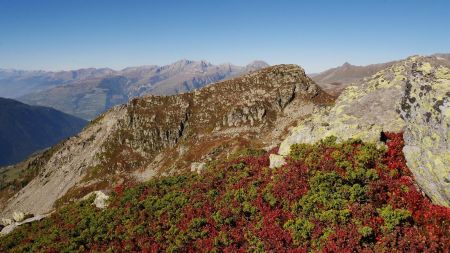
(329, 197)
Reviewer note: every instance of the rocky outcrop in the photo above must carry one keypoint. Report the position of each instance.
(157, 135)
(410, 96)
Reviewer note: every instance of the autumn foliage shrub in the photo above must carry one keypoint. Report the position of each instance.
(329, 197)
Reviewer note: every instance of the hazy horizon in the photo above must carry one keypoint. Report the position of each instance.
(56, 35)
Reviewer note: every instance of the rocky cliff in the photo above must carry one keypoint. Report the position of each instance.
(156, 135)
(411, 96)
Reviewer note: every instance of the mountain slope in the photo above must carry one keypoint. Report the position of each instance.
(89, 97)
(443, 56)
(158, 135)
(26, 129)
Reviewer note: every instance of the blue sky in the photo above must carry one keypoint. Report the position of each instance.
(65, 34)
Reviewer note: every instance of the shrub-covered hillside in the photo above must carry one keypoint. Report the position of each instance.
(329, 197)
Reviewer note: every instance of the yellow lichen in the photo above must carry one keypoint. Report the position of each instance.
(442, 73)
(425, 68)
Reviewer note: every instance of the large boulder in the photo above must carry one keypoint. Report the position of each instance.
(276, 161)
(410, 96)
(100, 199)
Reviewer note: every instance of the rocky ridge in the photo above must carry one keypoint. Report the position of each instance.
(156, 135)
(411, 96)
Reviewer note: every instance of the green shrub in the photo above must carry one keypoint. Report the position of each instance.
(393, 217)
(301, 230)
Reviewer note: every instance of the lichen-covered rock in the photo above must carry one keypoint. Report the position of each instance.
(426, 111)
(410, 96)
(362, 111)
(6, 221)
(100, 199)
(197, 167)
(276, 161)
(18, 216)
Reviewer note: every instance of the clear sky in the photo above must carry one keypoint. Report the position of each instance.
(69, 34)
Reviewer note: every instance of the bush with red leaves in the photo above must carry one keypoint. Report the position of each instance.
(329, 197)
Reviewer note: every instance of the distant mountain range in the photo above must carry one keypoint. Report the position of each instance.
(86, 93)
(17, 83)
(335, 80)
(26, 129)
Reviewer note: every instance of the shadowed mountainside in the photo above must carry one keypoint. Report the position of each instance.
(26, 129)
